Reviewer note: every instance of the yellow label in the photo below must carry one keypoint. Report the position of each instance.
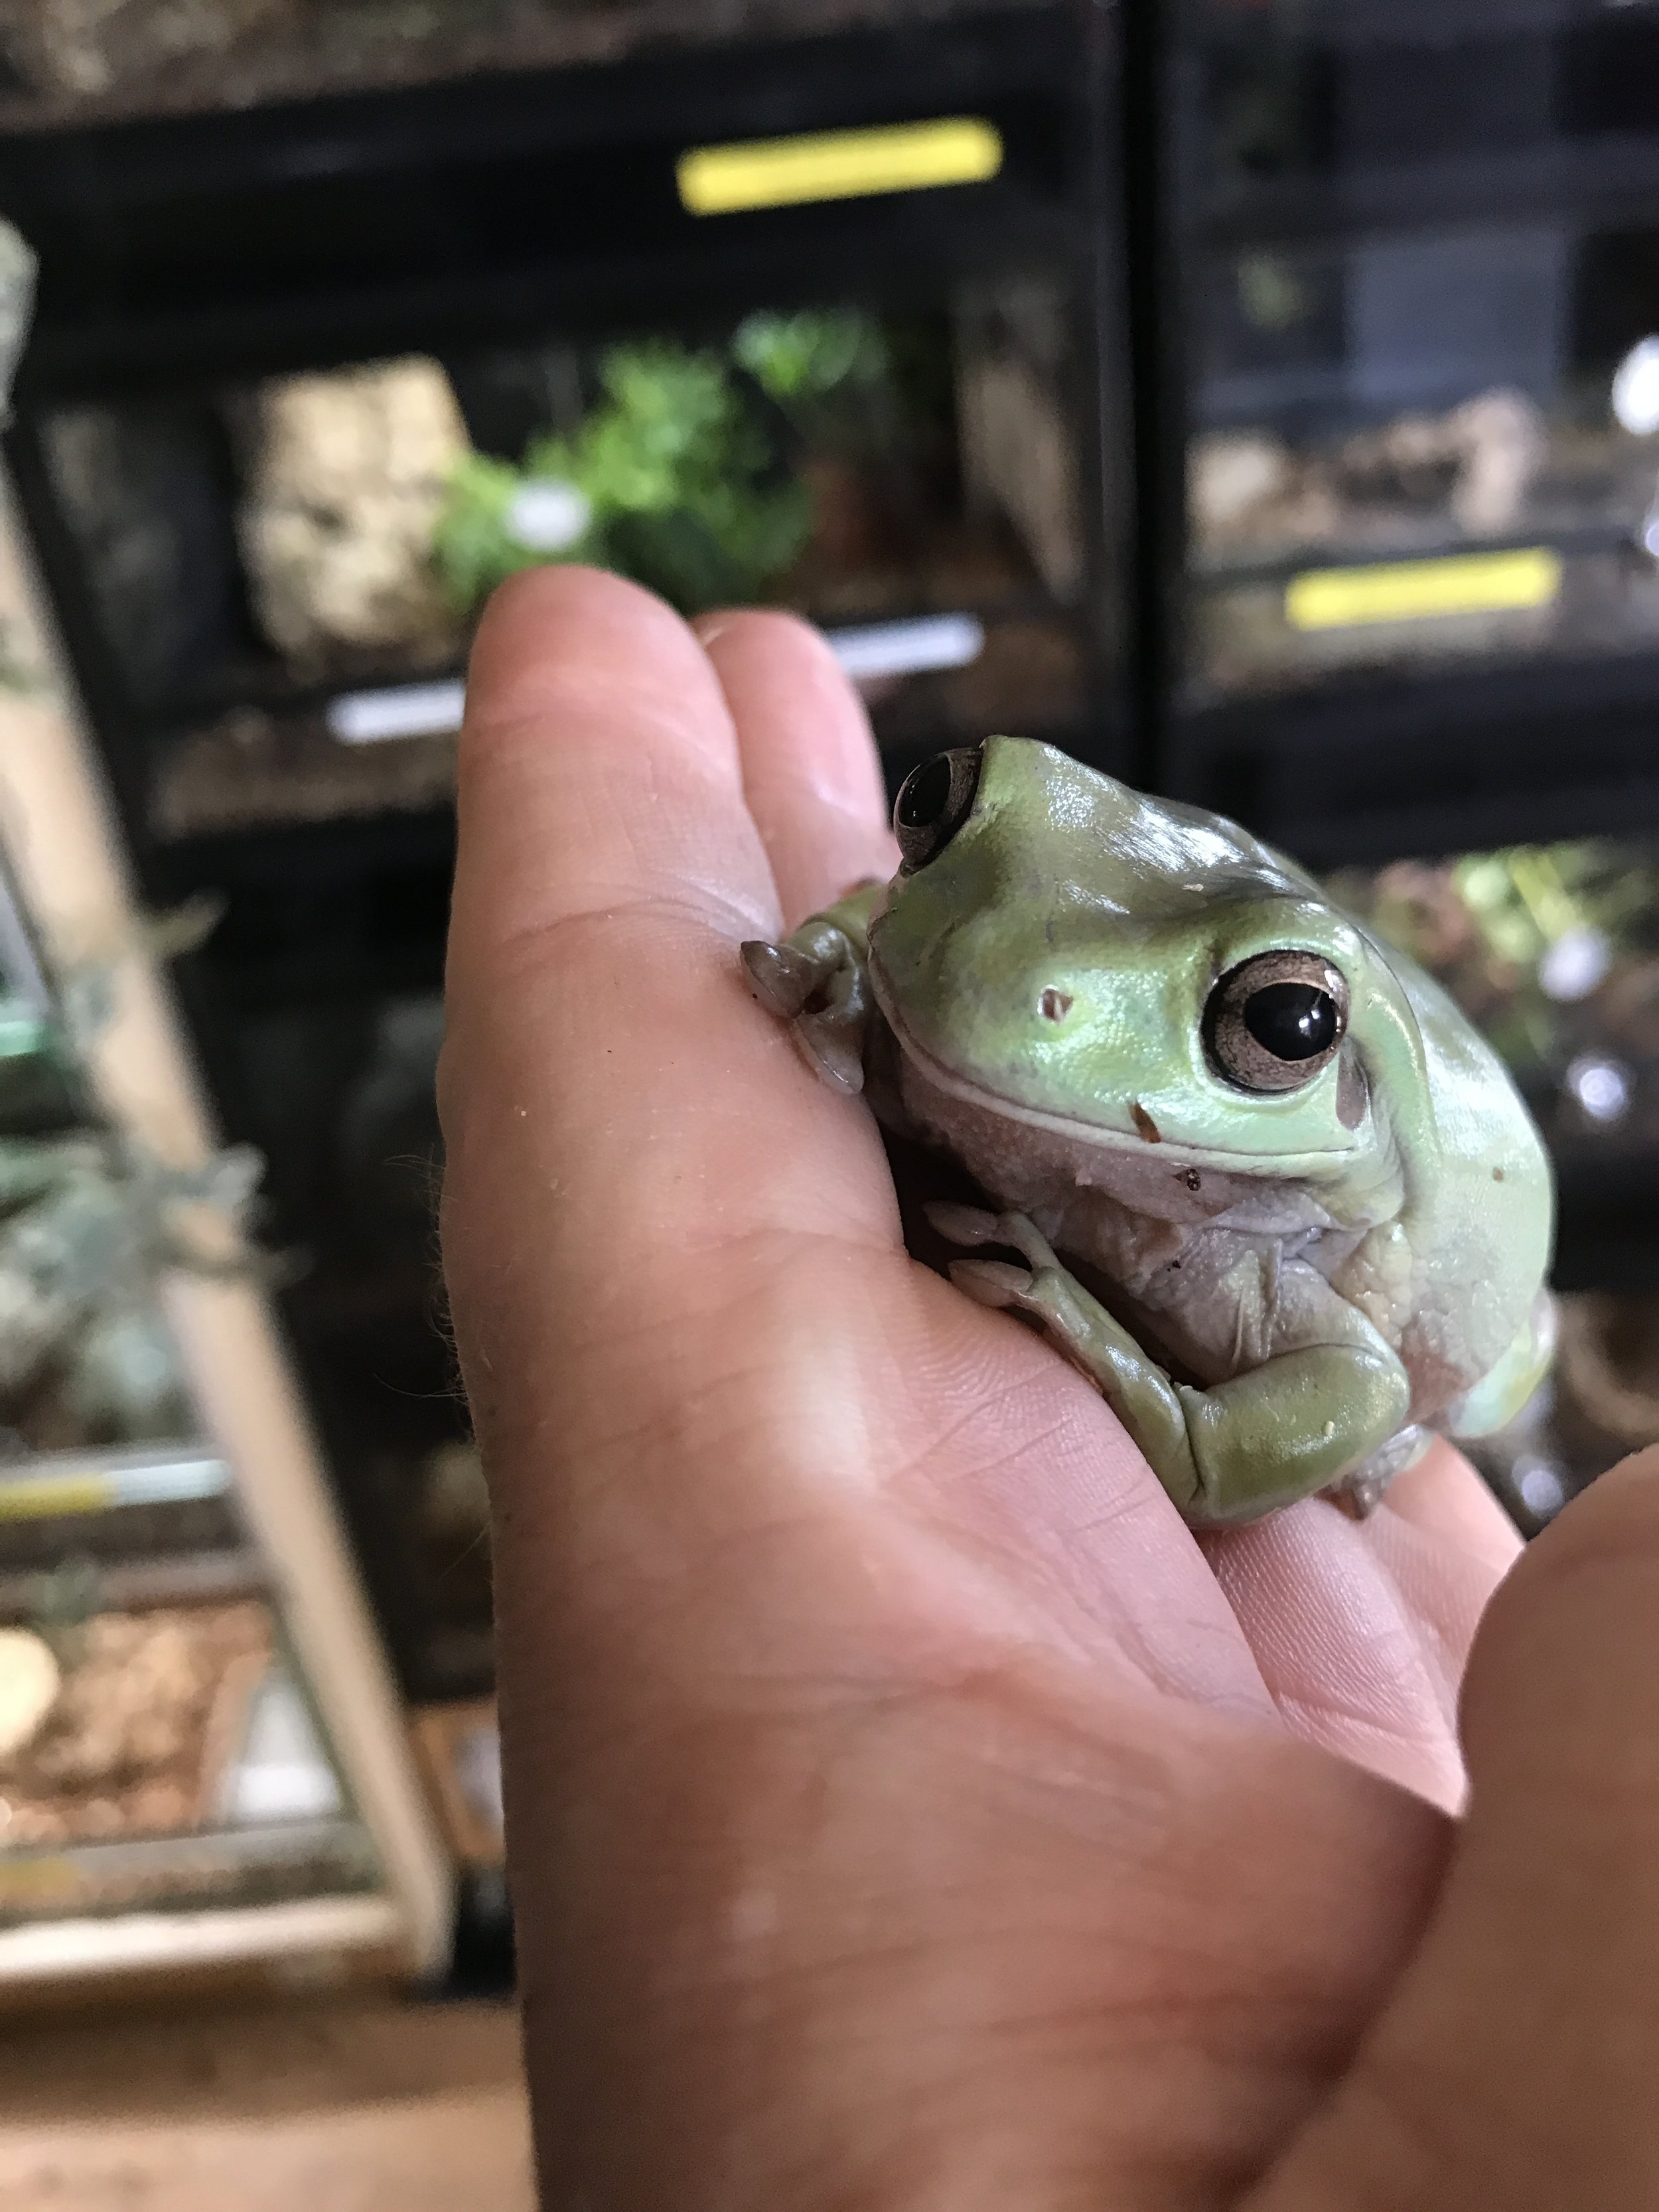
(1415, 590)
(839, 165)
(42, 1496)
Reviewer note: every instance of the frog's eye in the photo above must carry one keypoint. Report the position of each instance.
(1273, 1022)
(934, 800)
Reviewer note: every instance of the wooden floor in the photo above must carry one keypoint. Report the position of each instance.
(345, 2107)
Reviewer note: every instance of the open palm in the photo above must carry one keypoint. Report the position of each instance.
(904, 1807)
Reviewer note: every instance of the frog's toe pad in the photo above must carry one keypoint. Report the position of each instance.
(992, 1282)
(1361, 1491)
(1359, 1496)
(964, 1225)
(832, 1051)
(780, 977)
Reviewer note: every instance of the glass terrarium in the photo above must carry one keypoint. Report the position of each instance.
(1422, 451)
(61, 60)
(1553, 951)
(284, 574)
(1600, 1404)
(157, 1747)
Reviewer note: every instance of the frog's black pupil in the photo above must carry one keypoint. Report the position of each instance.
(1292, 1021)
(926, 794)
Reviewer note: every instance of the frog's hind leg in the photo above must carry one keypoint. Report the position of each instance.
(1226, 1454)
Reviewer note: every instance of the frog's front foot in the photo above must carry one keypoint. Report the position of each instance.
(1329, 1416)
(1036, 1289)
(1078, 1326)
(815, 980)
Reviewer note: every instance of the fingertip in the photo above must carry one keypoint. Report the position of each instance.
(570, 650)
(1614, 1524)
(598, 769)
(558, 592)
(1562, 1674)
(810, 770)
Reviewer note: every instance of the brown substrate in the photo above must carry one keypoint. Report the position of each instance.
(252, 769)
(66, 62)
(148, 1716)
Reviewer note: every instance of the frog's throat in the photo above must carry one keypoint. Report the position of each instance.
(1100, 1134)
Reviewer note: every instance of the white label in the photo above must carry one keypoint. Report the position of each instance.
(549, 517)
(909, 648)
(411, 710)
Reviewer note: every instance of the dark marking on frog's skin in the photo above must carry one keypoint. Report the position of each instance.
(1351, 1092)
(1143, 1121)
(1192, 1178)
(1498, 1175)
(1056, 1004)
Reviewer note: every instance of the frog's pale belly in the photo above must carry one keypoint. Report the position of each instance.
(1217, 1272)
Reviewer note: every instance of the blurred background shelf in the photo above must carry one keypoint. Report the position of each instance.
(202, 1765)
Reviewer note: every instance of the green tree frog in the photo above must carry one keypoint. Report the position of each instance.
(1250, 1170)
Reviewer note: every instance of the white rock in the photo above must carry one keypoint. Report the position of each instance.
(29, 1680)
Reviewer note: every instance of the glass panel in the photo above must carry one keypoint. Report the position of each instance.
(1311, 88)
(1554, 950)
(265, 563)
(1386, 410)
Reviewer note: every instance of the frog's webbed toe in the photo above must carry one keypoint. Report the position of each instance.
(816, 982)
(1039, 1289)
(971, 1226)
(1078, 1326)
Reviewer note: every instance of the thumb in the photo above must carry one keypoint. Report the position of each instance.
(1515, 2065)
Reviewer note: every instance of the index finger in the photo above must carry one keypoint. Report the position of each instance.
(811, 773)
(614, 1103)
(599, 770)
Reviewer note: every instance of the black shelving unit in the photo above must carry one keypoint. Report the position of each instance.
(510, 232)
(1399, 543)
(1403, 597)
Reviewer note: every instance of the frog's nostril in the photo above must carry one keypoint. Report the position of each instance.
(1054, 1005)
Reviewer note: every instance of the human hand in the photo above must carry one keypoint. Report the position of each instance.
(905, 1810)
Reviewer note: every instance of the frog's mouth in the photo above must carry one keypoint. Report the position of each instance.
(1142, 1139)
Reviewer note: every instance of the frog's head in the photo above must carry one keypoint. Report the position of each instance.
(1136, 971)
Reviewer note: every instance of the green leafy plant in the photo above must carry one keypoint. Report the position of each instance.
(805, 359)
(675, 479)
(1491, 926)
